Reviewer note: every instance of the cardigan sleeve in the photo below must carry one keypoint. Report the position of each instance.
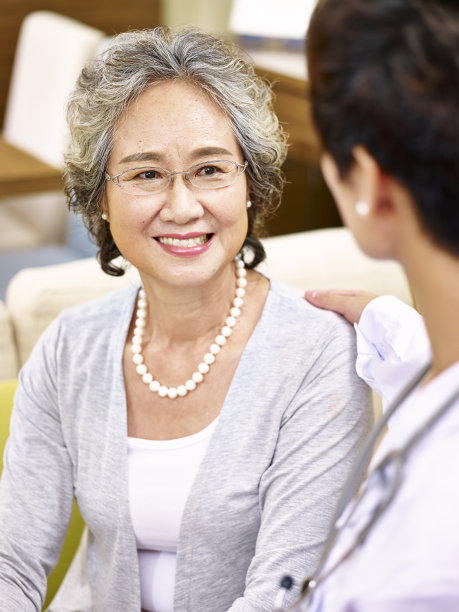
(36, 492)
(321, 433)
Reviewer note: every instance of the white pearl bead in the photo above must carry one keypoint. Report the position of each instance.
(172, 393)
(221, 340)
(140, 322)
(136, 348)
(190, 385)
(238, 302)
(241, 282)
(142, 303)
(241, 272)
(226, 331)
(141, 313)
(203, 367)
(154, 385)
(230, 321)
(235, 312)
(147, 378)
(209, 358)
(162, 391)
(214, 349)
(142, 293)
(197, 377)
(240, 263)
(137, 358)
(182, 390)
(240, 292)
(137, 339)
(141, 369)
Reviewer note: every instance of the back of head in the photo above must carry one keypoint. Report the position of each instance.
(384, 74)
(136, 60)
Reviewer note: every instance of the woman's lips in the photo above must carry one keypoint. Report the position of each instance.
(185, 246)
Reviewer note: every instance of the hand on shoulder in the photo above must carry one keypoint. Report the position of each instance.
(347, 302)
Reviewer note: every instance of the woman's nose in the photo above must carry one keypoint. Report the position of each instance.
(181, 204)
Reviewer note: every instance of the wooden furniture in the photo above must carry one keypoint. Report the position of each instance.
(22, 173)
(287, 72)
(307, 203)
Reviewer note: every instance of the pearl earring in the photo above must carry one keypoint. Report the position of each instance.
(104, 216)
(362, 208)
(249, 203)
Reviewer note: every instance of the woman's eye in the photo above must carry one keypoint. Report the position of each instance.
(148, 175)
(208, 171)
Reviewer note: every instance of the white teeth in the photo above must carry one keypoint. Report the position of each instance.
(188, 242)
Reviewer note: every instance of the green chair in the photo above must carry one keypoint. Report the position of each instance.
(7, 389)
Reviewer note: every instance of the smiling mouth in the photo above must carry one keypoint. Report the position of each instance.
(185, 242)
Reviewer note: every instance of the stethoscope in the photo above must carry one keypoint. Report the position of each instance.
(387, 475)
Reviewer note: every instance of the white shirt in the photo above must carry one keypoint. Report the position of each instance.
(410, 559)
(161, 474)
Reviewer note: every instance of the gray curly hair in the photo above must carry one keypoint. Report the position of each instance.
(132, 62)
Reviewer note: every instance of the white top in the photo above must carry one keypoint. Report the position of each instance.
(161, 473)
(410, 559)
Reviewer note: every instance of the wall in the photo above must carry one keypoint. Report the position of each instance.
(211, 15)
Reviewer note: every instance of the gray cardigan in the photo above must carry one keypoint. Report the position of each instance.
(290, 427)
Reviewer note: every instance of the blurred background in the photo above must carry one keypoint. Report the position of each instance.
(36, 231)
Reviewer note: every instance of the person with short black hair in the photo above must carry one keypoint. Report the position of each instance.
(384, 78)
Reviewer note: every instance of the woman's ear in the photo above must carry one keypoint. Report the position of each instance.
(371, 183)
(358, 185)
(367, 199)
(330, 172)
(391, 217)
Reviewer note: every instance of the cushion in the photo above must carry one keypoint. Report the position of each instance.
(330, 259)
(7, 389)
(8, 352)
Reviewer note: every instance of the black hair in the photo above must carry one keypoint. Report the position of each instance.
(384, 74)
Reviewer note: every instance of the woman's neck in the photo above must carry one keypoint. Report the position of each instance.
(434, 278)
(185, 314)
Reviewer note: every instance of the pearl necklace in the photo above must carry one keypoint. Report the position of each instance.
(208, 359)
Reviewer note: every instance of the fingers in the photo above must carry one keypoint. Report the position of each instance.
(346, 302)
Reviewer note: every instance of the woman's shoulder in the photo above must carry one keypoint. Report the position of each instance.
(94, 318)
(85, 331)
(289, 304)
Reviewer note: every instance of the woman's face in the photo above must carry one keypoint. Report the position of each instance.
(182, 236)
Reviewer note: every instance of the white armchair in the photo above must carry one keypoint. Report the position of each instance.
(50, 53)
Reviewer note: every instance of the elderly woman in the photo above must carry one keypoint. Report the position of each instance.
(384, 86)
(206, 420)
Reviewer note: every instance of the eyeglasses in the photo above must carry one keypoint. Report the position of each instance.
(208, 175)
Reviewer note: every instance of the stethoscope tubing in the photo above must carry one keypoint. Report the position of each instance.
(397, 458)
